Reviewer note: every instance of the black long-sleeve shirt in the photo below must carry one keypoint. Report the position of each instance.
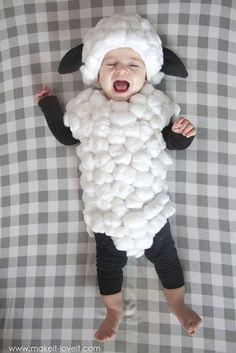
(54, 116)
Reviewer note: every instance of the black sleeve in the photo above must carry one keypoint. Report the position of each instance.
(175, 141)
(54, 116)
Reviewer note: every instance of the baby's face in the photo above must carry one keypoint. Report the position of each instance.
(122, 74)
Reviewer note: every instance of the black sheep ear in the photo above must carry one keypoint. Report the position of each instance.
(71, 61)
(172, 65)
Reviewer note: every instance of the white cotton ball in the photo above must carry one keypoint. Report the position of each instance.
(133, 201)
(156, 122)
(123, 244)
(103, 205)
(168, 210)
(166, 114)
(84, 95)
(74, 125)
(124, 158)
(101, 158)
(97, 99)
(163, 174)
(100, 177)
(147, 89)
(114, 36)
(91, 61)
(88, 186)
(131, 252)
(104, 192)
(122, 119)
(139, 253)
(70, 106)
(146, 130)
(138, 99)
(152, 209)
(156, 79)
(86, 127)
(135, 252)
(80, 149)
(87, 217)
(87, 160)
(124, 173)
(164, 186)
(97, 222)
(119, 106)
(69, 117)
(162, 198)
(156, 224)
(84, 109)
(100, 113)
(157, 185)
(135, 220)
(86, 146)
(143, 179)
(117, 232)
(118, 206)
(116, 150)
(133, 144)
(86, 173)
(141, 161)
(138, 233)
(165, 158)
(109, 166)
(122, 190)
(160, 139)
(155, 103)
(101, 128)
(176, 110)
(152, 147)
(111, 219)
(100, 144)
(132, 130)
(116, 136)
(89, 202)
(147, 116)
(143, 243)
(157, 167)
(158, 97)
(145, 194)
(138, 109)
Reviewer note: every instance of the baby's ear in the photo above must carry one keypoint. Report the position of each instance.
(172, 65)
(71, 61)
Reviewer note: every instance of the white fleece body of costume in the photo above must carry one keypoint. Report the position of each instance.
(123, 164)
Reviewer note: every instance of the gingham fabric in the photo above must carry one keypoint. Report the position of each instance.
(49, 297)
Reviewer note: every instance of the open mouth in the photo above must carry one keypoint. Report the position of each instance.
(121, 86)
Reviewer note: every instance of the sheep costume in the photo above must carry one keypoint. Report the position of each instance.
(123, 161)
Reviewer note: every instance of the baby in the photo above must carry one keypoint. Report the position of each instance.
(123, 126)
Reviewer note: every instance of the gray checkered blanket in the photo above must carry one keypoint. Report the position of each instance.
(49, 299)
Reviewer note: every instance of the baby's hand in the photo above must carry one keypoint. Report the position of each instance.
(45, 91)
(184, 127)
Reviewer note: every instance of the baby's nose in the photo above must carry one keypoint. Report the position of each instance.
(121, 69)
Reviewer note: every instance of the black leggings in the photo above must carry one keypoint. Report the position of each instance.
(162, 254)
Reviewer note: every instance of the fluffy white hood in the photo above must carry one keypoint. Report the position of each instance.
(123, 164)
(122, 31)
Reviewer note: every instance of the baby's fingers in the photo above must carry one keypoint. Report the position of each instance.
(45, 91)
(191, 132)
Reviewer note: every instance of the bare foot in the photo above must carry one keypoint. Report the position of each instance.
(109, 327)
(189, 320)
